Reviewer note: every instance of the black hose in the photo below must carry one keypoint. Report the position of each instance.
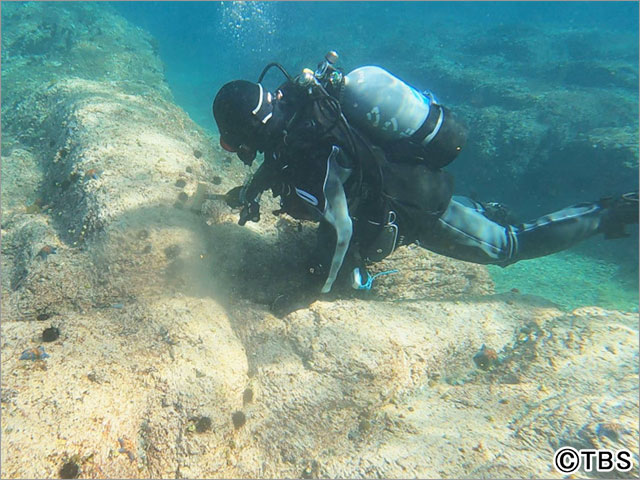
(279, 67)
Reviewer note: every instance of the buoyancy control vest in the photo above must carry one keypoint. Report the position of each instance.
(396, 181)
(415, 193)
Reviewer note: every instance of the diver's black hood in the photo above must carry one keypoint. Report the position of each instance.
(242, 109)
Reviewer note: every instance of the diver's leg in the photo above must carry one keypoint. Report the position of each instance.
(464, 232)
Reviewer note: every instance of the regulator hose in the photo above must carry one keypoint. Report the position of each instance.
(269, 66)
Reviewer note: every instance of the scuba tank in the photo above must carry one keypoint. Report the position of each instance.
(383, 105)
(409, 125)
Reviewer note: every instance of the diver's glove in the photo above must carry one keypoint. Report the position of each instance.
(250, 212)
(233, 197)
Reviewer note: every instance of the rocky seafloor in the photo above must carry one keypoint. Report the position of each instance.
(166, 316)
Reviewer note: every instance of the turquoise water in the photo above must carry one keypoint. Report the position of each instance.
(204, 44)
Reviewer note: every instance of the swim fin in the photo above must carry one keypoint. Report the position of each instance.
(619, 212)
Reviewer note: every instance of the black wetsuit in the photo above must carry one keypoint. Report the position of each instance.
(465, 232)
(391, 204)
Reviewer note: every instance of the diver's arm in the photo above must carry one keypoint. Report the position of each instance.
(265, 178)
(248, 195)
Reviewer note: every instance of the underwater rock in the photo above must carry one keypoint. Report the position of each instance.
(612, 430)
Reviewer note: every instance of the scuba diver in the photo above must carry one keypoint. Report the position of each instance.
(363, 153)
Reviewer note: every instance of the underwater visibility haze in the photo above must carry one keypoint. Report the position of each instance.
(526, 88)
(146, 334)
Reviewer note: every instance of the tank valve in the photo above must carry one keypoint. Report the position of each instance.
(326, 68)
(331, 56)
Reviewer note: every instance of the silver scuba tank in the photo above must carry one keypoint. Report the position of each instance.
(409, 125)
(385, 106)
